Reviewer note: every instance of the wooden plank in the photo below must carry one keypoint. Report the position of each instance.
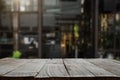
(116, 61)
(86, 76)
(28, 70)
(7, 65)
(58, 69)
(17, 78)
(96, 78)
(95, 70)
(75, 70)
(6, 61)
(3, 78)
(107, 65)
(53, 71)
(55, 61)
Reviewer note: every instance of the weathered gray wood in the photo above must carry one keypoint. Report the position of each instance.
(76, 70)
(28, 70)
(96, 78)
(107, 65)
(95, 70)
(115, 61)
(6, 61)
(53, 71)
(17, 78)
(59, 69)
(55, 61)
(7, 65)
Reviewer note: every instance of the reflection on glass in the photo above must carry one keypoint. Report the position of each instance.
(109, 34)
(28, 5)
(50, 2)
(59, 18)
(9, 5)
(6, 22)
(25, 5)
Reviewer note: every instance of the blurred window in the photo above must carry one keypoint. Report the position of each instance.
(28, 5)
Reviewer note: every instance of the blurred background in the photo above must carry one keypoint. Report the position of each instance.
(60, 28)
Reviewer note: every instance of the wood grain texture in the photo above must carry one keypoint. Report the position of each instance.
(7, 65)
(59, 69)
(55, 61)
(76, 70)
(96, 78)
(108, 65)
(28, 70)
(17, 78)
(115, 61)
(95, 70)
(53, 70)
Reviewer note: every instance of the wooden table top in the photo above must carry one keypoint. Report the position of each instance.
(59, 69)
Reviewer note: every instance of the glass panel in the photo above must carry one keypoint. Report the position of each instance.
(28, 34)
(28, 19)
(35, 3)
(6, 35)
(28, 5)
(6, 38)
(51, 2)
(28, 44)
(6, 44)
(6, 22)
(110, 31)
(11, 5)
(8, 4)
(63, 31)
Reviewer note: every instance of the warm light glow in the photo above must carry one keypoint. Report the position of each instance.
(104, 23)
(62, 45)
(117, 17)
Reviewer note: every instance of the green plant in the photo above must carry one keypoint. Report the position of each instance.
(16, 54)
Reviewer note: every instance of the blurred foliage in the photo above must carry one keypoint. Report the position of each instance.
(118, 59)
(107, 41)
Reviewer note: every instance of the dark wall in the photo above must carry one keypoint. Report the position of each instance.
(108, 6)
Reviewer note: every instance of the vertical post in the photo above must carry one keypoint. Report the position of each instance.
(0, 20)
(114, 34)
(15, 23)
(40, 28)
(95, 16)
(15, 30)
(76, 51)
